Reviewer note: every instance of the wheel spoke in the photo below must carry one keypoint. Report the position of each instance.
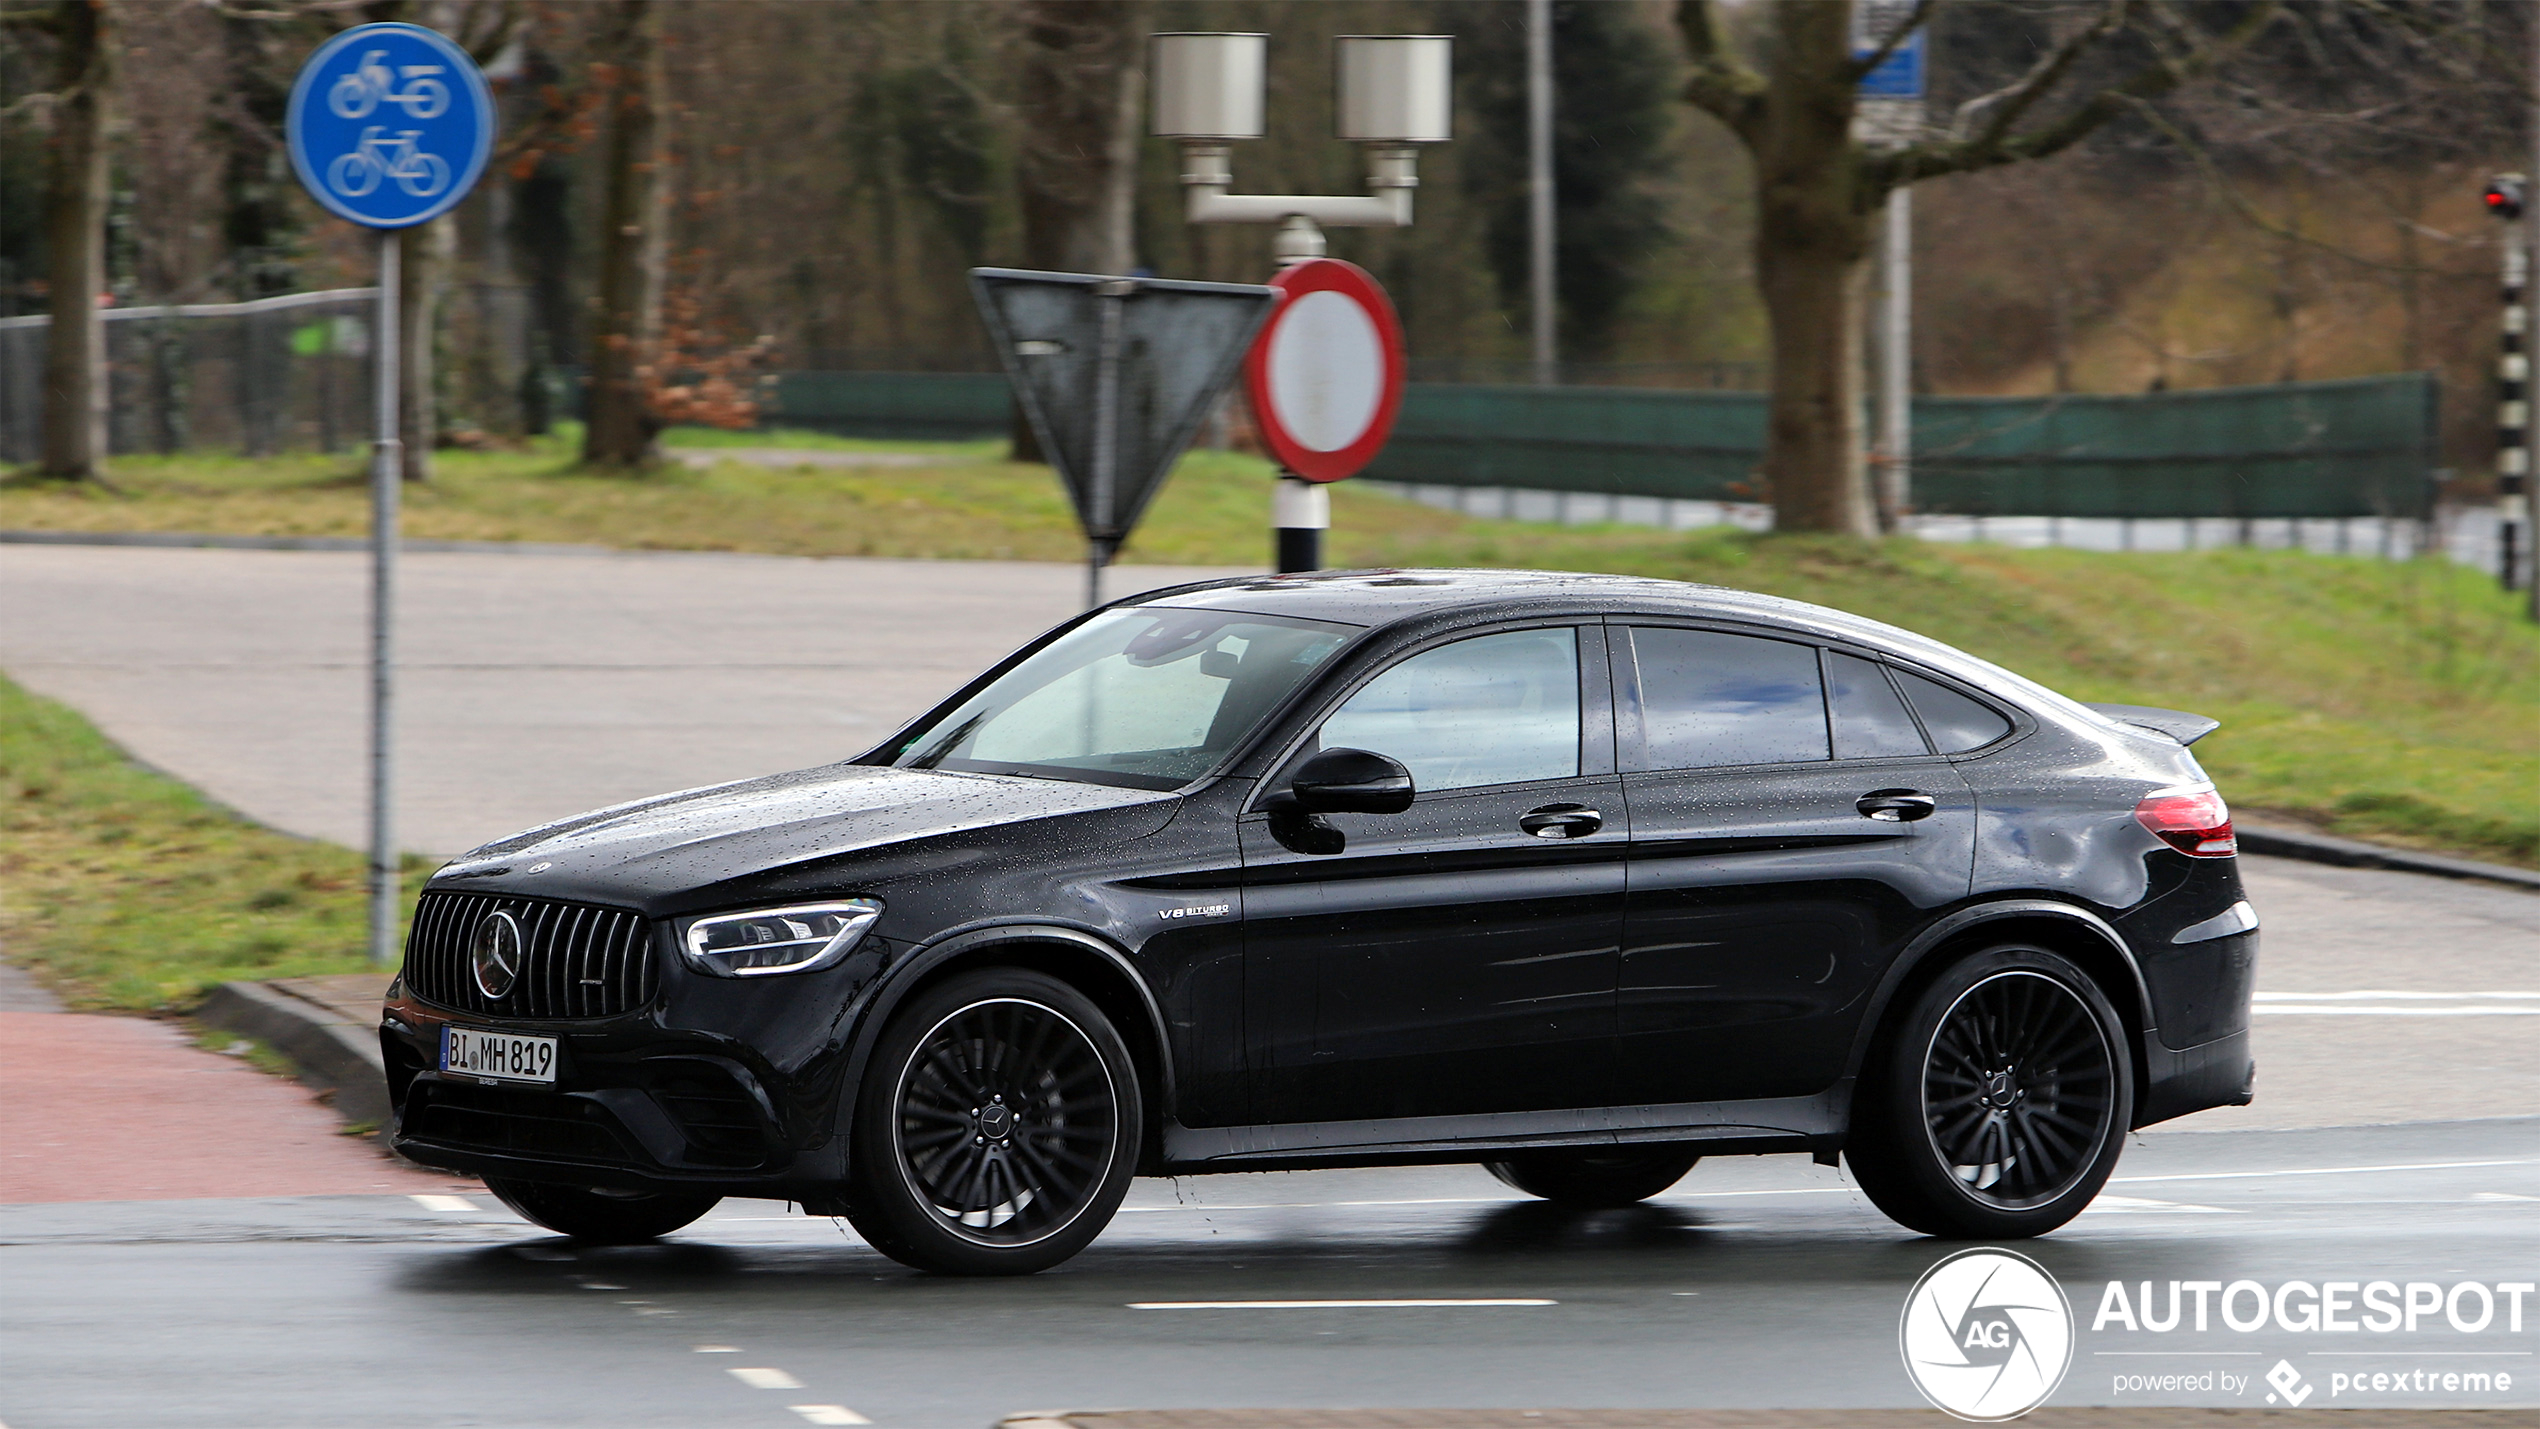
(2018, 1088)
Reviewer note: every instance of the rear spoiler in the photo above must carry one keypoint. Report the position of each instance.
(2177, 724)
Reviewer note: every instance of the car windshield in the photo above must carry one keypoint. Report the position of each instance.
(1148, 698)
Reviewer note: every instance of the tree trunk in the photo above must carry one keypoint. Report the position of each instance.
(426, 262)
(626, 315)
(1812, 249)
(1082, 98)
(75, 394)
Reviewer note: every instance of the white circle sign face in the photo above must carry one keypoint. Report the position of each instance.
(1987, 1335)
(1327, 370)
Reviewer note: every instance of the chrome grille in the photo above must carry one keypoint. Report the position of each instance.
(577, 960)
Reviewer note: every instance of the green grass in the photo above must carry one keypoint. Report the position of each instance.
(128, 891)
(2385, 700)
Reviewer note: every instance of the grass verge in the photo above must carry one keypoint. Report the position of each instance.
(128, 891)
(2383, 700)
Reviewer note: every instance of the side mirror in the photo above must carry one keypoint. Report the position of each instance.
(1352, 781)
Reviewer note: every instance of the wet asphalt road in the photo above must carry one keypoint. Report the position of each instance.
(1755, 1283)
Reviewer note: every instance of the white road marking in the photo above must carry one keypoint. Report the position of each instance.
(2352, 1009)
(1329, 1304)
(600, 1285)
(765, 1378)
(2321, 1171)
(2387, 995)
(2136, 1205)
(828, 1414)
(456, 1205)
(2500, 1196)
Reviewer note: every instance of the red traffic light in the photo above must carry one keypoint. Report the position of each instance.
(2504, 196)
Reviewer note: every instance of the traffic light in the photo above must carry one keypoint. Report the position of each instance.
(2504, 196)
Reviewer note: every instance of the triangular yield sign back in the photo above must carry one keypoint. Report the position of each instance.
(1115, 375)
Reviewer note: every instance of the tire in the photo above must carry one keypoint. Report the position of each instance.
(1997, 1107)
(1599, 1178)
(601, 1217)
(997, 1127)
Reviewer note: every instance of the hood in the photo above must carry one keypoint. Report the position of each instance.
(634, 853)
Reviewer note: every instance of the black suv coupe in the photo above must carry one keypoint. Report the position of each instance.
(1577, 877)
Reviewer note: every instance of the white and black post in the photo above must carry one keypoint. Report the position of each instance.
(2513, 415)
(387, 474)
(1300, 512)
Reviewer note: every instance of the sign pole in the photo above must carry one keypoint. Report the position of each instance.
(1896, 364)
(1105, 477)
(387, 474)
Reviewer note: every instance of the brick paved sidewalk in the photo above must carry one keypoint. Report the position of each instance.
(126, 1109)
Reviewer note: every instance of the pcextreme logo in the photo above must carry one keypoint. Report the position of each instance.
(1986, 1335)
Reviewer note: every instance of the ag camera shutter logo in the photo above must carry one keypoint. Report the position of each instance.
(1986, 1335)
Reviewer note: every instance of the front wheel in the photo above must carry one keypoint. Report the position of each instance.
(1998, 1107)
(1594, 1179)
(599, 1216)
(997, 1129)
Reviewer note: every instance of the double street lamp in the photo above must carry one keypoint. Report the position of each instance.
(1392, 94)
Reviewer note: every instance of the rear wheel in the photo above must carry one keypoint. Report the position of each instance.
(1597, 1177)
(997, 1129)
(1998, 1107)
(600, 1216)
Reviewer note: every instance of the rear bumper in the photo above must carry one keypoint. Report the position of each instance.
(2211, 1074)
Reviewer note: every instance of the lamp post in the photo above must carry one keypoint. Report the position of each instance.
(1393, 94)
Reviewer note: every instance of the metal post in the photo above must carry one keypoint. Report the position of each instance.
(1541, 299)
(2513, 411)
(2531, 239)
(387, 470)
(1896, 362)
(1106, 475)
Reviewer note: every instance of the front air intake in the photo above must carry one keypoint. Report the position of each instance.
(572, 959)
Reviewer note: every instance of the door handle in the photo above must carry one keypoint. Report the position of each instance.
(1562, 821)
(1897, 806)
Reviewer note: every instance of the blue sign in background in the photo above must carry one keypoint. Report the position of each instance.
(390, 125)
(1900, 75)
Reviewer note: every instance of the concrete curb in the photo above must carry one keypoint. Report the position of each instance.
(330, 1053)
(2282, 842)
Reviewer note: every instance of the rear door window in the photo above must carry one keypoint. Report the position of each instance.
(1870, 721)
(1709, 700)
(1956, 723)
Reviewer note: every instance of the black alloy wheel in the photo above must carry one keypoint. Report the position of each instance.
(598, 1215)
(2001, 1102)
(998, 1129)
(1594, 1178)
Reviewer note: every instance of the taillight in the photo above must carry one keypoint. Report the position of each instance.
(2193, 821)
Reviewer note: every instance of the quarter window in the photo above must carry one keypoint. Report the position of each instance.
(1495, 709)
(1957, 723)
(1870, 722)
(1709, 700)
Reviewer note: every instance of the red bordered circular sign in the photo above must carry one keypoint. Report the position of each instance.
(1325, 376)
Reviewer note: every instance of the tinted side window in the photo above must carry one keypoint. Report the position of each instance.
(1956, 722)
(1495, 709)
(1870, 722)
(1709, 699)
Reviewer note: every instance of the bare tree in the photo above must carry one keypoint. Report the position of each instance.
(626, 315)
(1081, 97)
(76, 192)
(1819, 190)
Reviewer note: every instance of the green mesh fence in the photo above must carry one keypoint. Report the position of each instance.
(2360, 447)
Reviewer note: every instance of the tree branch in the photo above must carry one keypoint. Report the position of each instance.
(1997, 146)
(2008, 104)
(1721, 84)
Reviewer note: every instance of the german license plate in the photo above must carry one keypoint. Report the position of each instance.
(503, 1056)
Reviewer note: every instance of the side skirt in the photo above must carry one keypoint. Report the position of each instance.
(1778, 1124)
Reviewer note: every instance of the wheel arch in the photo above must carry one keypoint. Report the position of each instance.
(2076, 932)
(1090, 964)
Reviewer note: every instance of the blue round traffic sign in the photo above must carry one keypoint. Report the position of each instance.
(390, 125)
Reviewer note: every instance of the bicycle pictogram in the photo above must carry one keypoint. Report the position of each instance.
(357, 173)
(371, 84)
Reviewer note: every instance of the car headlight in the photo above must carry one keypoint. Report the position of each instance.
(779, 940)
